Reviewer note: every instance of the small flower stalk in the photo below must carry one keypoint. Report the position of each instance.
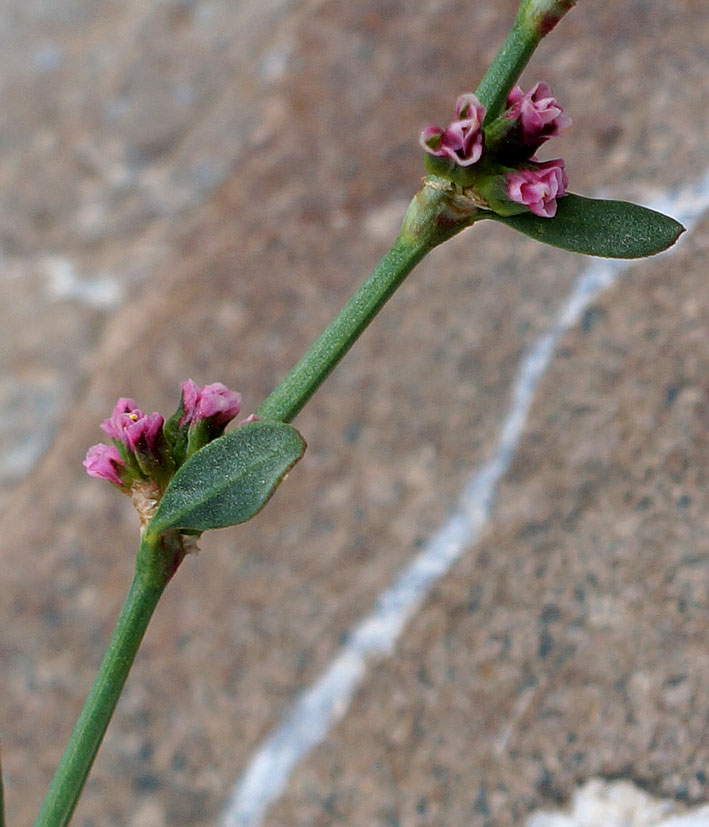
(496, 165)
(146, 450)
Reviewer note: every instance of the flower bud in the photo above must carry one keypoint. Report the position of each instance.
(216, 403)
(202, 416)
(461, 142)
(105, 462)
(537, 186)
(531, 118)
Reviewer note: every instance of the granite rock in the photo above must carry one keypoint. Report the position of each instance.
(193, 189)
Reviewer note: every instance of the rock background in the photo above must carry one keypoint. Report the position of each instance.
(193, 189)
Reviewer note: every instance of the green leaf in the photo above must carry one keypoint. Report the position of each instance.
(612, 229)
(230, 479)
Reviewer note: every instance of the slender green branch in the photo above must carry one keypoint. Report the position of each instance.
(155, 565)
(505, 69)
(535, 19)
(435, 214)
(88, 733)
(286, 401)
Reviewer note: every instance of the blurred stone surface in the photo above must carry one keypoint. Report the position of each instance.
(193, 189)
(601, 803)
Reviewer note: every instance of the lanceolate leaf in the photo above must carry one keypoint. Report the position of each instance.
(612, 229)
(230, 479)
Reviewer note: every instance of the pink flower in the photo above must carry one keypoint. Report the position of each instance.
(104, 462)
(190, 394)
(462, 140)
(218, 403)
(129, 425)
(120, 417)
(540, 116)
(214, 402)
(537, 187)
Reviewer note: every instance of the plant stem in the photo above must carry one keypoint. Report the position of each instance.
(506, 68)
(535, 19)
(316, 364)
(156, 562)
(436, 213)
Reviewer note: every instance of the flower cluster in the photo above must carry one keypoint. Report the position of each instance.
(146, 449)
(497, 160)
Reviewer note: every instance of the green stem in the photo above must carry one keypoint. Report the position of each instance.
(155, 565)
(437, 212)
(506, 68)
(535, 19)
(316, 364)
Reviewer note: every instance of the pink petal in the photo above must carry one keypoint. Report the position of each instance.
(104, 462)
